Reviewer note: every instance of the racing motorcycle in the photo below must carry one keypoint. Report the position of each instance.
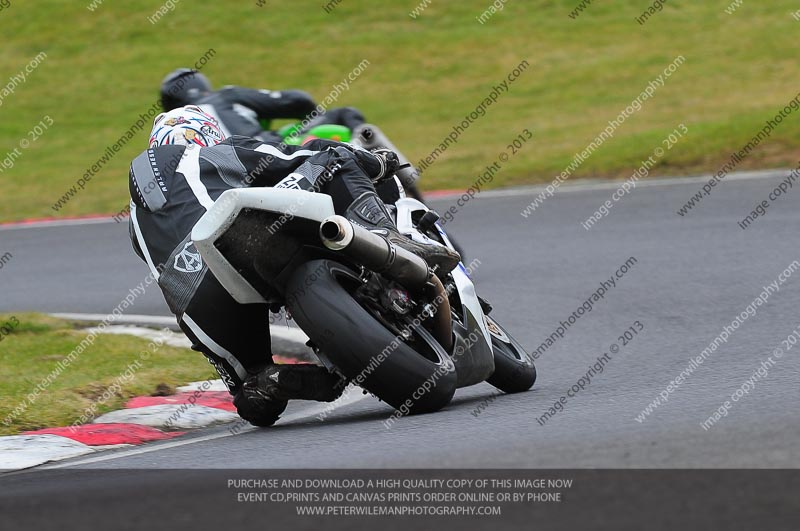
(376, 314)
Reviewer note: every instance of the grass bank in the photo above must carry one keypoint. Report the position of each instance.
(44, 383)
(424, 75)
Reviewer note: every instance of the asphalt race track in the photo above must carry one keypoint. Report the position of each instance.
(693, 275)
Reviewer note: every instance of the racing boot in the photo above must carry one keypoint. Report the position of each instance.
(303, 381)
(370, 212)
(265, 394)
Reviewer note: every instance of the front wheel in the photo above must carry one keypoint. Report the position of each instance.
(404, 366)
(514, 370)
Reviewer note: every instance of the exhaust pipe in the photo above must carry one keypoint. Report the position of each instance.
(376, 253)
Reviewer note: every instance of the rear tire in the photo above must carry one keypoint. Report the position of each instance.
(362, 348)
(514, 371)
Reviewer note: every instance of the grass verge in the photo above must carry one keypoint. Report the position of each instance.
(107, 373)
(425, 74)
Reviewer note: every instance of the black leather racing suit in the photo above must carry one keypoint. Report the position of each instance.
(173, 186)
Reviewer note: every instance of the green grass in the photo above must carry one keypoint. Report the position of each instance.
(35, 347)
(103, 68)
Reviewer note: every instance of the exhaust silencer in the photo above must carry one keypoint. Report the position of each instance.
(374, 252)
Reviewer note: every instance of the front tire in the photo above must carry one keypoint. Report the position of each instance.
(514, 371)
(362, 348)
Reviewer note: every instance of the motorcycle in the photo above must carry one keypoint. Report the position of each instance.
(376, 314)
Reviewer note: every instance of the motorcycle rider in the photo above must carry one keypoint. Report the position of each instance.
(188, 165)
(239, 110)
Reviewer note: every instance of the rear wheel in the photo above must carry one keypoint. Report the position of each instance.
(514, 370)
(398, 362)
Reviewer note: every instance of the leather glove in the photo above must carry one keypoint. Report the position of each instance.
(388, 161)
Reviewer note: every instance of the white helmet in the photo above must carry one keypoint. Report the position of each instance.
(185, 126)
